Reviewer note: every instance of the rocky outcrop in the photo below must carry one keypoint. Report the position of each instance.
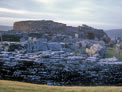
(51, 28)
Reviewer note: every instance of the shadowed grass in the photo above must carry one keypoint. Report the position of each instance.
(13, 86)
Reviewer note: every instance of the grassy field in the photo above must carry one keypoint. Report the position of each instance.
(111, 53)
(13, 86)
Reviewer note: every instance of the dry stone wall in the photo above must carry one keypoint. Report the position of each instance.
(70, 71)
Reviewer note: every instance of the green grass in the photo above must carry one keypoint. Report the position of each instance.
(13, 86)
(111, 53)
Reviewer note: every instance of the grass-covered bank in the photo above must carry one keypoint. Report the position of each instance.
(13, 86)
(111, 53)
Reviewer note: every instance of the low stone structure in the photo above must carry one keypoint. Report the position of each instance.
(59, 68)
(51, 28)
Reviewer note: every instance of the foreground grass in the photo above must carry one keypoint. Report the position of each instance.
(111, 53)
(13, 86)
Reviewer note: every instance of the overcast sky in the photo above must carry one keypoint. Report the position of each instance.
(104, 14)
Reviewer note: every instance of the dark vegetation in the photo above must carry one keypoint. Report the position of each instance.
(14, 38)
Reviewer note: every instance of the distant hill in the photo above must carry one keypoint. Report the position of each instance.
(5, 28)
(114, 33)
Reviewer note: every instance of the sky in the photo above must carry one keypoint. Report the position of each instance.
(102, 14)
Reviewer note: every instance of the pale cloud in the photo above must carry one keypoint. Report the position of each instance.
(46, 1)
(43, 1)
(84, 11)
(12, 11)
(6, 10)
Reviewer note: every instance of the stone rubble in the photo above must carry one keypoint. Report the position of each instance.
(59, 68)
(57, 61)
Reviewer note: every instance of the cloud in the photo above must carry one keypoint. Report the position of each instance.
(45, 1)
(12, 11)
(105, 13)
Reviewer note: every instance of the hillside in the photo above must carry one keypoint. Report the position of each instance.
(114, 33)
(12, 86)
(5, 28)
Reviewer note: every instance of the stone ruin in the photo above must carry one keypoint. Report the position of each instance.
(59, 56)
(52, 64)
(60, 68)
(50, 27)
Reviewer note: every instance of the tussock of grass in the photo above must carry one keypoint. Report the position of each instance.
(111, 53)
(13, 86)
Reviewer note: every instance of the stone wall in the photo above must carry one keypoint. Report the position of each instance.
(51, 28)
(39, 26)
(70, 71)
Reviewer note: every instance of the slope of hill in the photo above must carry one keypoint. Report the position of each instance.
(5, 28)
(13, 86)
(114, 33)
